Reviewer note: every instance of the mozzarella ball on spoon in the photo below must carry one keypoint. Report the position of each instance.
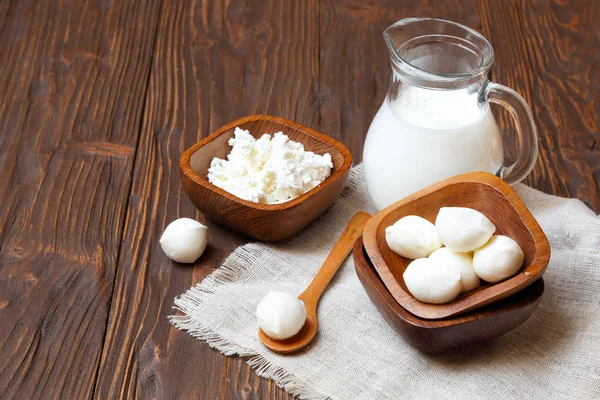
(445, 257)
(412, 237)
(184, 240)
(432, 283)
(500, 258)
(463, 229)
(280, 315)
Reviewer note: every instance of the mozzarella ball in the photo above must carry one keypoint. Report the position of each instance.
(499, 259)
(412, 237)
(463, 229)
(280, 315)
(445, 257)
(432, 283)
(184, 240)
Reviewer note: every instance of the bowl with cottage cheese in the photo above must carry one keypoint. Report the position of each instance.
(263, 176)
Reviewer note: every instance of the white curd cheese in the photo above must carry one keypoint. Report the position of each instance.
(268, 170)
(431, 282)
(280, 315)
(463, 229)
(184, 240)
(445, 257)
(498, 259)
(412, 237)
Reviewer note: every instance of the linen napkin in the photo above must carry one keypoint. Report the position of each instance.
(356, 355)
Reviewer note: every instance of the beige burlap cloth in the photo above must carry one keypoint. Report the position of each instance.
(356, 355)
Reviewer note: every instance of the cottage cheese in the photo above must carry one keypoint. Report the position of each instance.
(268, 170)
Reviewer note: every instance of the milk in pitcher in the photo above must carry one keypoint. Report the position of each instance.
(424, 136)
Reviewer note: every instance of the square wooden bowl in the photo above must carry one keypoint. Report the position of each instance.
(478, 190)
(268, 222)
(436, 336)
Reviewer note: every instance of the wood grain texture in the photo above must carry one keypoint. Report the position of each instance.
(74, 80)
(545, 51)
(213, 63)
(244, 384)
(437, 336)
(478, 190)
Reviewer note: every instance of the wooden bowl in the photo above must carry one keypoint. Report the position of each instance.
(483, 192)
(267, 222)
(451, 333)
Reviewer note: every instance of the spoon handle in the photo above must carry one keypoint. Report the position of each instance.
(332, 263)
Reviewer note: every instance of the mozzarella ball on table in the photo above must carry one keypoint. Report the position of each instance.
(280, 315)
(430, 282)
(184, 240)
(445, 257)
(463, 229)
(412, 237)
(500, 258)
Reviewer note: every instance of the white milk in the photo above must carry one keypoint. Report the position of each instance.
(427, 136)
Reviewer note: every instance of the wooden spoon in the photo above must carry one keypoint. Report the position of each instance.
(313, 292)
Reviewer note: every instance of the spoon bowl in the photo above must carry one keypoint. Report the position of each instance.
(296, 342)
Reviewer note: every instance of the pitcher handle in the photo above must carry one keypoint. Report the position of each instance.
(526, 131)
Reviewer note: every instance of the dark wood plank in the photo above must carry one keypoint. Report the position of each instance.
(547, 51)
(243, 383)
(73, 78)
(213, 63)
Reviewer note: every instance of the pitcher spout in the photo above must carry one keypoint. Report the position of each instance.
(396, 35)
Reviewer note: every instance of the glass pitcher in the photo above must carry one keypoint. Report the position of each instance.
(435, 121)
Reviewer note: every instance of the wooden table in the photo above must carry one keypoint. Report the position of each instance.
(99, 98)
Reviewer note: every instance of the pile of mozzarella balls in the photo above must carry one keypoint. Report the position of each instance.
(439, 274)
